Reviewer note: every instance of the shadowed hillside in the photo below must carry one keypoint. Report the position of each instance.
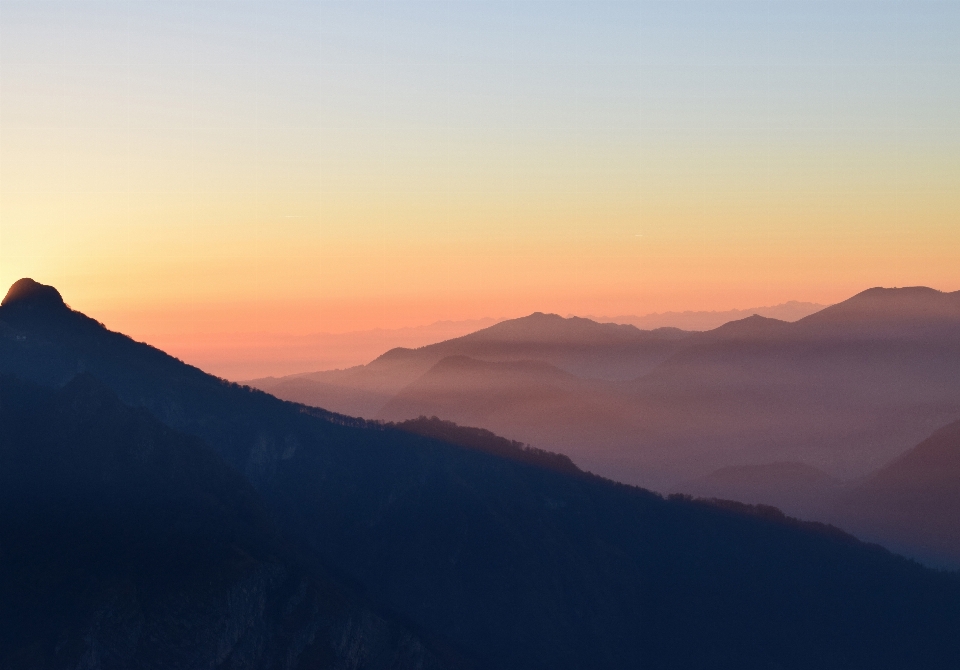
(485, 441)
(124, 544)
(797, 488)
(517, 565)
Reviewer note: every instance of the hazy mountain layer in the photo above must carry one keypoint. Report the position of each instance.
(913, 503)
(580, 347)
(708, 320)
(843, 390)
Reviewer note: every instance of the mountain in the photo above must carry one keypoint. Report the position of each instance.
(481, 390)
(910, 312)
(124, 544)
(796, 488)
(843, 390)
(693, 320)
(580, 347)
(569, 412)
(508, 562)
(484, 440)
(913, 503)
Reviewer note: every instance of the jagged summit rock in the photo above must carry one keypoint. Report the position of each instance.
(29, 293)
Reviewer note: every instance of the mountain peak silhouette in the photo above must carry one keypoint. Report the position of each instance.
(29, 293)
(903, 309)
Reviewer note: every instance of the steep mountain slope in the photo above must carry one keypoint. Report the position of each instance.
(124, 544)
(484, 440)
(914, 502)
(518, 565)
(580, 347)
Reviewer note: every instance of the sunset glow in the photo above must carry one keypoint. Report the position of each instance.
(209, 167)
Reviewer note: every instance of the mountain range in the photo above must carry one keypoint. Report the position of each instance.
(575, 347)
(843, 390)
(708, 320)
(757, 410)
(456, 547)
(245, 355)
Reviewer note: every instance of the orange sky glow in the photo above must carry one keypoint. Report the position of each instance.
(190, 170)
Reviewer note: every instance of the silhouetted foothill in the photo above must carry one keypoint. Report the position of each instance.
(508, 565)
(29, 293)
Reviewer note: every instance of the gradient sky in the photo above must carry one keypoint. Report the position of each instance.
(330, 166)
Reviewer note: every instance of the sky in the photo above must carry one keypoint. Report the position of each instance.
(237, 167)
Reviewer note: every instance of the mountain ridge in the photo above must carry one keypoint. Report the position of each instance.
(517, 565)
(128, 544)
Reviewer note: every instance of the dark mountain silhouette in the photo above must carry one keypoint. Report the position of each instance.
(914, 502)
(915, 311)
(514, 564)
(30, 294)
(483, 440)
(124, 544)
(580, 347)
(796, 488)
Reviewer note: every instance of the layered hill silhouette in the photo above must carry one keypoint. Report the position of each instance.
(913, 503)
(702, 320)
(497, 558)
(843, 390)
(581, 347)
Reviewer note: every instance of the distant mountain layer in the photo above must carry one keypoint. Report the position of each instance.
(237, 356)
(494, 557)
(914, 502)
(703, 320)
(843, 390)
(578, 347)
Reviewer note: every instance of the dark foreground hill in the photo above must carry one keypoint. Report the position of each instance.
(510, 563)
(124, 544)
